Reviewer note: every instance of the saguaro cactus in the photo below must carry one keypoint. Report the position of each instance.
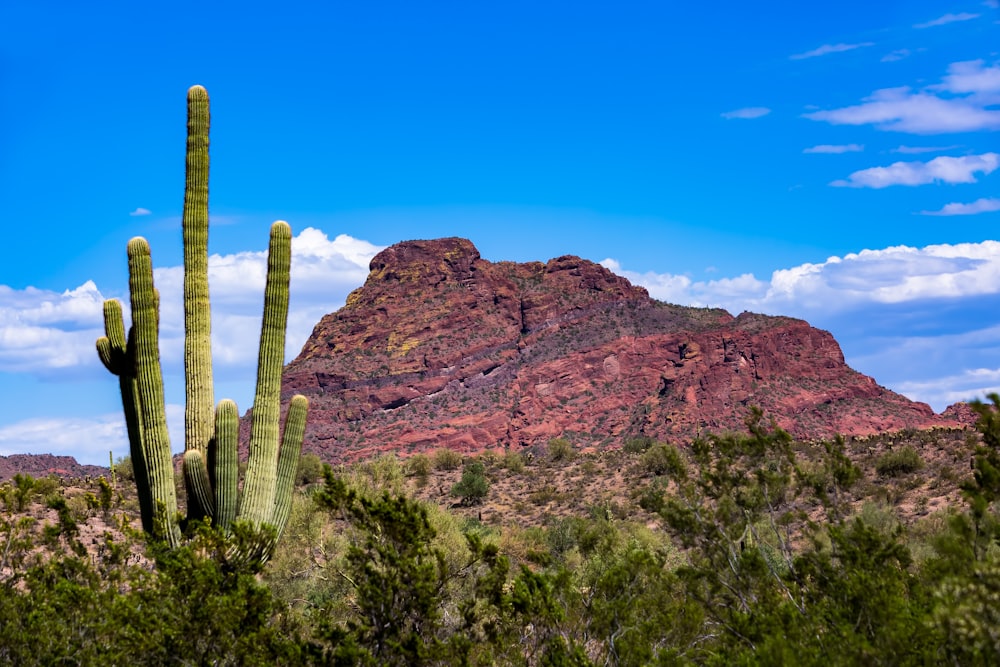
(210, 463)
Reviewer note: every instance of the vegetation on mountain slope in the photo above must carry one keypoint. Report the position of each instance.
(744, 548)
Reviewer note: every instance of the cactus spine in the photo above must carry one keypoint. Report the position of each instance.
(210, 463)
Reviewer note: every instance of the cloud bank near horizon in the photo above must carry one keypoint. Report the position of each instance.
(863, 297)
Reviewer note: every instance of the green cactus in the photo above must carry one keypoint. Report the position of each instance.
(199, 399)
(210, 462)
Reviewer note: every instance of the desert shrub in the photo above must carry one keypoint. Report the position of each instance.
(514, 462)
(637, 445)
(660, 459)
(651, 498)
(123, 469)
(310, 470)
(899, 462)
(447, 459)
(46, 486)
(560, 449)
(473, 486)
(419, 466)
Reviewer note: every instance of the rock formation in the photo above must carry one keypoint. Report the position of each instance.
(441, 348)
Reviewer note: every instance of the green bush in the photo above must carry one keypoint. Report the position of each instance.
(473, 486)
(560, 449)
(447, 459)
(419, 466)
(514, 462)
(310, 470)
(660, 459)
(902, 461)
(637, 445)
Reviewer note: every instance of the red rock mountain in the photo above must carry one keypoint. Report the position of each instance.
(441, 348)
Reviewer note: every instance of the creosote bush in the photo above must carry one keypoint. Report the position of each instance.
(902, 461)
(560, 449)
(447, 459)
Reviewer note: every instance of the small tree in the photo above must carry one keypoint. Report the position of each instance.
(473, 486)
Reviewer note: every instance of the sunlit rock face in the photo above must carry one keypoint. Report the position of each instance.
(441, 348)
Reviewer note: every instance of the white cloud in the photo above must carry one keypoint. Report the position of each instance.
(42, 332)
(140, 211)
(967, 385)
(972, 77)
(984, 205)
(746, 113)
(835, 149)
(916, 150)
(947, 18)
(962, 102)
(944, 169)
(829, 48)
(49, 331)
(88, 439)
(909, 317)
(892, 275)
(896, 55)
(323, 273)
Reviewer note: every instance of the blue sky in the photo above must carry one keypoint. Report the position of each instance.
(837, 162)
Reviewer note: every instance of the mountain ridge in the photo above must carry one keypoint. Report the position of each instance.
(441, 348)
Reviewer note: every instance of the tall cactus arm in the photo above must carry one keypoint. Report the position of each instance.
(197, 481)
(111, 346)
(288, 460)
(149, 386)
(226, 463)
(200, 401)
(257, 505)
(118, 356)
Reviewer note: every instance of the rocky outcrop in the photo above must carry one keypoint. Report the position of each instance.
(43, 465)
(441, 348)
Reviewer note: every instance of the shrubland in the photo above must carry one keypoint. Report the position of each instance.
(741, 548)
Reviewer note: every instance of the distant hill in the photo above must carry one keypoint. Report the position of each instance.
(441, 348)
(43, 465)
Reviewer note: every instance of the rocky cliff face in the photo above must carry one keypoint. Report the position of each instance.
(441, 348)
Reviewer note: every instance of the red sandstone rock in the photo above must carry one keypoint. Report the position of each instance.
(441, 348)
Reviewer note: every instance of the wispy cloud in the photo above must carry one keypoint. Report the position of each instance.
(984, 205)
(746, 112)
(916, 150)
(942, 169)
(947, 18)
(829, 48)
(140, 211)
(87, 439)
(835, 149)
(896, 55)
(963, 102)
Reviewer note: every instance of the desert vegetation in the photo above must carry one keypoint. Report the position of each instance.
(742, 548)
